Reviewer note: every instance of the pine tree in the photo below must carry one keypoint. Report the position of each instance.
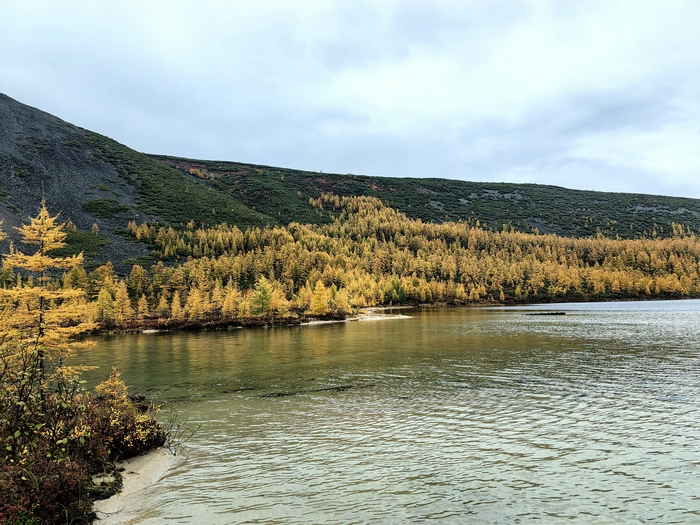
(262, 297)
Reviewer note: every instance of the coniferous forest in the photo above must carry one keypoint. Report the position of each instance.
(369, 255)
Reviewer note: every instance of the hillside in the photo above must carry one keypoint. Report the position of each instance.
(100, 185)
(284, 194)
(92, 180)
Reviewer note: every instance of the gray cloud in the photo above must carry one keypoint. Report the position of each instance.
(596, 95)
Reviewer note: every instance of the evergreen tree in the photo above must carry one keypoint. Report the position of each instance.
(262, 297)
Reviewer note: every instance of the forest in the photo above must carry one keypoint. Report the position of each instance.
(369, 255)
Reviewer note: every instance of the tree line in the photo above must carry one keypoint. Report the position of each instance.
(368, 255)
(372, 255)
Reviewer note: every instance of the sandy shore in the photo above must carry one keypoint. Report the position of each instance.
(366, 314)
(374, 316)
(375, 313)
(139, 473)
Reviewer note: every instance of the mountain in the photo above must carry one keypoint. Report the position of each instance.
(99, 185)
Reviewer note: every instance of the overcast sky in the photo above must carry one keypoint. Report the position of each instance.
(589, 94)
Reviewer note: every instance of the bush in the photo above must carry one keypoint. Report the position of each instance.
(47, 470)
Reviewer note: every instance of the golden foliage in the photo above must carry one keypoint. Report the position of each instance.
(373, 255)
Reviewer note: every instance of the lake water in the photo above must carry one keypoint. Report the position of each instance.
(477, 416)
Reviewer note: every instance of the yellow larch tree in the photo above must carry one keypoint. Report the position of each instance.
(123, 312)
(319, 303)
(39, 319)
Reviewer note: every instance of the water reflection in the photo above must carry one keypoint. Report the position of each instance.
(452, 416)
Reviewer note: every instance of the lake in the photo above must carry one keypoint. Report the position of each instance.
(455, 415)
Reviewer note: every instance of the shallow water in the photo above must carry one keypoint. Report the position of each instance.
(451, 416)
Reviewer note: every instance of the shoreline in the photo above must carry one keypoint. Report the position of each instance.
(153, 326)
(366, 314)
(139, 473)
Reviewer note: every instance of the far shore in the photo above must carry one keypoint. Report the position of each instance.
(370, 313)
(366, 314)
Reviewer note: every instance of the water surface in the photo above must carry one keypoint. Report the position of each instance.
(451, 416)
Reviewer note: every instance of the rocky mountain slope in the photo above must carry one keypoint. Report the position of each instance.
(98, 185)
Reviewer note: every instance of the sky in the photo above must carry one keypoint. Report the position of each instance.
(587, 94)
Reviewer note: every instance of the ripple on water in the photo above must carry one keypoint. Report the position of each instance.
(504, 418)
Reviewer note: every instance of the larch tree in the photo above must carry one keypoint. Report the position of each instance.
(123, 312)
(54, 435)
(142, 310)
(176, 311)
(40, 318)
(105, 306)
(319, 303)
